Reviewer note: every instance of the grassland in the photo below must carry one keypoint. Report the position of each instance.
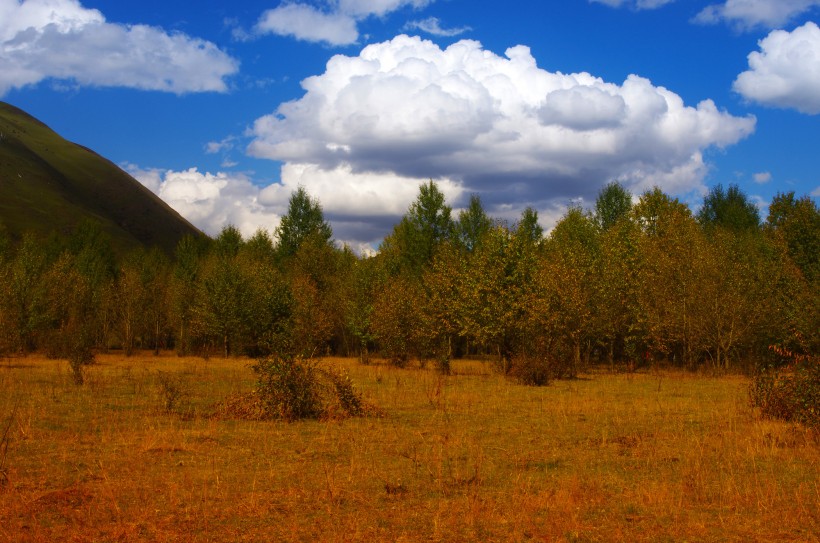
(135, 455)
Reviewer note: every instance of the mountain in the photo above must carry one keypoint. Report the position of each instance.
(48, 184)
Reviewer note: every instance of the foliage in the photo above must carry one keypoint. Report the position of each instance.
(415, 239)
(790, 392)
(730, 209)
(623, 285)
(395, 321)
(796, 223)
(304, 219)
(295, 388)
(613, 203)
(472, 225)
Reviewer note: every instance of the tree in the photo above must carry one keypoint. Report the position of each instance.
(730, 209)
(72, 310)
(23, 299)
(670, 252)
(796, 222)
(269, 309)
(130, 301)
(492, 293)
(616, 291)
(189, 255)
(427, 224)
(472, 225)
(395, 319)
(223, 294)
(613, 203)
(303, 220)
(568, 280)
(360, 304)
(528, 228)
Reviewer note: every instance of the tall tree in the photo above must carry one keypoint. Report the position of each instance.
(528, 229)
(223, 295)
(189, 255)
(304, 219)
(23, 299)
(569, 267)
(427, 223)
(670, 250)
(472, 225)
(613, 202)
(796, 222)
(728, 209)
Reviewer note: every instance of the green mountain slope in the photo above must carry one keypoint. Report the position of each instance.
(49, 184)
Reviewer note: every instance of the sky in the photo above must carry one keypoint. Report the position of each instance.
(223, 109)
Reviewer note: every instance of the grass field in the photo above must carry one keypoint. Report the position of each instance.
(135, 455)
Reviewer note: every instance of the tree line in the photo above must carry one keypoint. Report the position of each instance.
(626, 283)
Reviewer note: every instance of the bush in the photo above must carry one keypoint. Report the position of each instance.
(292, 388)
(790, 393)
(531, 370)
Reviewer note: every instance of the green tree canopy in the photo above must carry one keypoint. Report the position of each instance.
(304, 220)
(729, 209)
(426, 224)
(528, 227)
(613, 202)
(473, 224)
(797, 222)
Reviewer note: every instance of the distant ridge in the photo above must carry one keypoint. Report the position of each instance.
(48, 184)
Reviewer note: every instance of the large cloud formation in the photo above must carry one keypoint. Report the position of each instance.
(786, 70)
(335, 25)
(499, 126)
(41, 39)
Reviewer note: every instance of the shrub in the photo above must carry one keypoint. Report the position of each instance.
(170, 391)
(791, 392)
(288, 387)
(531, 370)
(292, 388)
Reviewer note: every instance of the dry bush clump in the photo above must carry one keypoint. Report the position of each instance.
(293, 388)
(790, 393)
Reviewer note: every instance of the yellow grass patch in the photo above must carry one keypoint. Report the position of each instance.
(471, 457)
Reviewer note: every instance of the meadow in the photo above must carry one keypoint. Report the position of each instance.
(140, 453)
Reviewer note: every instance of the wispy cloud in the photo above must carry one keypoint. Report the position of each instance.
(432, 25)
(762, 178)
(751, 14)
(634, 4)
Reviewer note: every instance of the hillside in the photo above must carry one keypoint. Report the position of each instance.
(49, 184)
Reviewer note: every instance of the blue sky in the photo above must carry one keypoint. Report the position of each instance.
(224, 108)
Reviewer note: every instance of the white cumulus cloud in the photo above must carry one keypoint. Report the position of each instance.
(60, 39)
(786, 71)
(212, 201)
(406, 110)
(336, 23)
(749, 14)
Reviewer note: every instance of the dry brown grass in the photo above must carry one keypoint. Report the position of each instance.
(470, 457)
